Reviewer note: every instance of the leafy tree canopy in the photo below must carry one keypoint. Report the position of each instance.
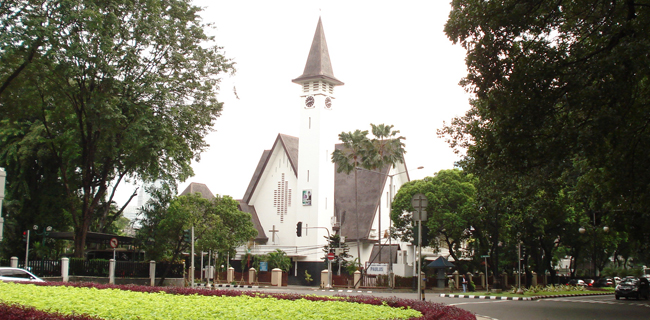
(106, 90)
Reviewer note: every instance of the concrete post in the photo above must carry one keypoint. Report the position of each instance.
(505, 280)
(276, 277)
(152, 272)
(325, 279)
(456, 279)
(546, 279)
(534, 279)
(482, 275)
(357, 278)
(65, 269)
(111, 271)
(14, 262)
(251, 275)
(231, 275)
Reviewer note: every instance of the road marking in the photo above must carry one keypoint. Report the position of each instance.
(596, 302)
(478, 302)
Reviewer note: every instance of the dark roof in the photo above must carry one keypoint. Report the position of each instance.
(290, 144)
(201, 188)
(261, 236)
(385, 253)
(439, 263)
(318, 64)
(370, 186)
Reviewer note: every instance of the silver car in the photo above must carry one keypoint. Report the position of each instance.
(18, 275)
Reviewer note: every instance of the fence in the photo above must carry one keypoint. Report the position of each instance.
(99, 268)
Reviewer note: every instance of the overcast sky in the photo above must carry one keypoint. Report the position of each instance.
(397, 64)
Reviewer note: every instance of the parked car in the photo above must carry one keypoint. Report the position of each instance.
(576, 282)
(604, 282)
(589, 282)
(632, 287)
(17, 274)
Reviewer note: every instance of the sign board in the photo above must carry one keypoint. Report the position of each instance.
(330, 256)
(485, 256)
(377, 268)
(306, 197)
(264, 266)
(113, 243)
(419, 203)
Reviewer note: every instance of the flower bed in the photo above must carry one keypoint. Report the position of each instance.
(212, 304)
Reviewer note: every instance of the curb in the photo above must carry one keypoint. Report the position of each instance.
(343, 291)
(444, 295)
(227, 286)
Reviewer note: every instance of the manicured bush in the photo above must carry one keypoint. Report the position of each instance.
(18, 312)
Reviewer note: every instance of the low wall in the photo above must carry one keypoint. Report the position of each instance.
(174, 282)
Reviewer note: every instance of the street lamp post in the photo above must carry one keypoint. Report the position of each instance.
(3, 176)
(593, 228)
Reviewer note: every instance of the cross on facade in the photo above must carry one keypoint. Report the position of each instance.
(273, 231)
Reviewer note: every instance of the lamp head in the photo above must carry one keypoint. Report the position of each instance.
(582, 230)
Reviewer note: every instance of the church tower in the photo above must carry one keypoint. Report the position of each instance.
(315, 168)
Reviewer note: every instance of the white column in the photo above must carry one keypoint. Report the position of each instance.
(152, 272)
(111, 271)
(65, 269)
(14, 262)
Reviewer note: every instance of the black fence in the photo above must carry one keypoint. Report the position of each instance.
(99, 268)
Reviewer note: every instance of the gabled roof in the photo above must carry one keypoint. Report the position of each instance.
(201, 188)
(261, 236)
(318, 64)
(290, 146)
(386, 253)
(369, 188)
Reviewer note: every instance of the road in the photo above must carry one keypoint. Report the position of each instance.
(569, 308)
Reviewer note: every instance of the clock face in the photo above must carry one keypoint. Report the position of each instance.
(309, 102)
(328, 102)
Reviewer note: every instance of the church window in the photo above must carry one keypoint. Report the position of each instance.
(305, 87)
(314, 86)
(282, 198)
(323, 86)
(331, 89)
(307, 175)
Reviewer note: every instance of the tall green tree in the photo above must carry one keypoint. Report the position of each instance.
(111, 89)
(218, 224)
(451, 210)
(560, 87)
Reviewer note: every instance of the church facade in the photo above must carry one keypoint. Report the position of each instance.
(296, 183)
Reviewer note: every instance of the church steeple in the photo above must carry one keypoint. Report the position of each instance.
(319, 66)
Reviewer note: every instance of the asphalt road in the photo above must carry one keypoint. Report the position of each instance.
(569, 308)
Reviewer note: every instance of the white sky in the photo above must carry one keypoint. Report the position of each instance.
(397, 64)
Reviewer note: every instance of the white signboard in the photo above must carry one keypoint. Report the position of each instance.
(377, 268)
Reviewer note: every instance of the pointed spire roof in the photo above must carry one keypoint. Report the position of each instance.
(318, 64)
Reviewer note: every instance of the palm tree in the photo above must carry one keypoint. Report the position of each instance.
(353, 154)
(386, 148)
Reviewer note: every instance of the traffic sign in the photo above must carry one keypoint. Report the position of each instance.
(419, 202)
(113, 243)
(330, 256)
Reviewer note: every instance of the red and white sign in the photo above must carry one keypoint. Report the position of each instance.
(330, 256)
(113, 243)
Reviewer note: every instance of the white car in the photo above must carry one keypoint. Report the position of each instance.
(18, 275)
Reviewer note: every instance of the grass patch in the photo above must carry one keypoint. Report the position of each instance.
(124, 304)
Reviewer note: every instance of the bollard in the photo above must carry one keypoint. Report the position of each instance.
(534, 279)
(111, 271)
(276, 277)
(14, 262)
(482, 275)
(231, 275)
(456, 282)
(324, 279)
(152, 272)
(251, 275)
(65, 269)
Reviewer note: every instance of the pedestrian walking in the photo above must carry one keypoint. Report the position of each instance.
(464, 283)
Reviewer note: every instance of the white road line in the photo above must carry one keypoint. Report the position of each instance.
(479, 302)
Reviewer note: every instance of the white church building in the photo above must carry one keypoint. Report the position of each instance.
(296, 181)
